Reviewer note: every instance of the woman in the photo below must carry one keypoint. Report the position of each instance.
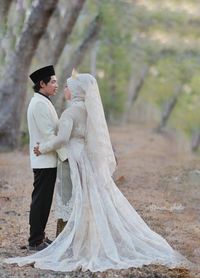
(103, 231)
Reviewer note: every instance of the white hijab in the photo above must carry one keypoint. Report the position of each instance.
(84, 87)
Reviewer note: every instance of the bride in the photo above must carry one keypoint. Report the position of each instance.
(103, 230)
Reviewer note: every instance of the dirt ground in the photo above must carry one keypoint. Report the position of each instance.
(156, 172)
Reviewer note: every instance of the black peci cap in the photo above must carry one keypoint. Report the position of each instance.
(39, 74)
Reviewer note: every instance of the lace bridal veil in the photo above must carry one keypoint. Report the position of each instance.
(98, 144)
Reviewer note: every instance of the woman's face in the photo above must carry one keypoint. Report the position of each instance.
(67, 93)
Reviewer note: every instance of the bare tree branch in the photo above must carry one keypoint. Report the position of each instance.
(93, 58)
(78, 56)
(67, 27)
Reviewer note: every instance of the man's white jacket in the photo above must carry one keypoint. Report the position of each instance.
(42, 125)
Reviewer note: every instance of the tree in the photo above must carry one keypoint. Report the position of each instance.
(195, 141)
(66, 28)
(4, 9)
(134, 89)
(169, 105)
(14, 80)
(113, 61)
(78, 55)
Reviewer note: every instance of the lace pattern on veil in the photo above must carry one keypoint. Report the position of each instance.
(63, 192)
(63, 211)
(98, 144)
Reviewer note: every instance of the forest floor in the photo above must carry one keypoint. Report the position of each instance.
(156, 172)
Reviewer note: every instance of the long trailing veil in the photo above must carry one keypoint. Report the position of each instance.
(98, 142)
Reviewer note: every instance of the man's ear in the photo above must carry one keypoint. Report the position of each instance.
(42, 84)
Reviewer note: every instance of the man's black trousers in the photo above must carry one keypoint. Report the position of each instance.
(44, 183)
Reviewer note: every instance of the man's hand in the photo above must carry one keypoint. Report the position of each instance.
(36, 149)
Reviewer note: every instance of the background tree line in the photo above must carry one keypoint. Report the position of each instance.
(145, 55)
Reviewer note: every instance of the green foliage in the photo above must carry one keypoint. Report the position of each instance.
(186, 117)
(164, 77)
(113, 60)
(162, 36)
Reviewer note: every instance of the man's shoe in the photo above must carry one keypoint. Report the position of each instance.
(47, 240)
(38, 247)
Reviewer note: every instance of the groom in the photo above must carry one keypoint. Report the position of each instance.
(42, 126)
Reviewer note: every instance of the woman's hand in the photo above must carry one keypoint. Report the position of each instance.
(36, 149)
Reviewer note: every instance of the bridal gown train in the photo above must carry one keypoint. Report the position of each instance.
(104, 231)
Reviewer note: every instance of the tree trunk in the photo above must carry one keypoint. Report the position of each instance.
(77, 57)
(195, 142)
(67, 27)
(93, 61)
(134, 89)
(112, 88)
(168, 108)
(4, 9)
(14, 81)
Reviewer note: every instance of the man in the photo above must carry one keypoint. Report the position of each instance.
(42, 126)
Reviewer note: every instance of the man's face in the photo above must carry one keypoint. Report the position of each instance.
(50, 88)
